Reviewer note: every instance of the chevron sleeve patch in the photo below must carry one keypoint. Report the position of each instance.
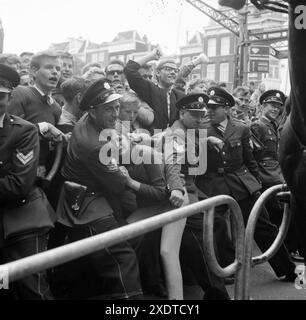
(25, 158)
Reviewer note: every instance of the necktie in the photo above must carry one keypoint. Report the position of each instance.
(168, 106)
(47, 99)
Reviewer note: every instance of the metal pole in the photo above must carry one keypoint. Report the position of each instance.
(249, 237)
(48, 259)
(209, 249)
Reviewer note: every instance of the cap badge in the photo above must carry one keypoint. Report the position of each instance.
(201, 100)
(212, 92)
(278, 95)
(107, 86)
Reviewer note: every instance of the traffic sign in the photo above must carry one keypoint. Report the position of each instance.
(259, 51)
(257, 65)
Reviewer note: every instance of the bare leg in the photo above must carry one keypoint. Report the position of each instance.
(169, 249)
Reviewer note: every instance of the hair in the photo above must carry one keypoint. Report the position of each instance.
(163, 61)
(195, 82)
(26, 53)
(37, 59)
(129, 98)
(115, 61)
(72, 86)
(9, 58)
(65, 54)
(146, 66)
(241, 90)
(222, 85)
(90, 65)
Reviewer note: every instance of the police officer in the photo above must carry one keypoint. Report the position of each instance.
(233, 171)
(192, 109)
(267, 132)
(91, 182)
(265, 129)
(25, 215)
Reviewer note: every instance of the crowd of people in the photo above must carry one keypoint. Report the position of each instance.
(48, 115)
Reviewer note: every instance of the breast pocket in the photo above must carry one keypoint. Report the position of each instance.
(235, 148)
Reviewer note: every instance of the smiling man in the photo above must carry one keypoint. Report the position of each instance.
(115, 268)
(162, 97)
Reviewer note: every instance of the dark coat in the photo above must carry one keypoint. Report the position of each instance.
(232, 171)
(269, 168)
(23, 207)
(83, 166)
(154, 96)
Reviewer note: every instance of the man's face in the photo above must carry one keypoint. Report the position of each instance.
(67, 68)
(200, 88)
(146, 73)
(25, 80)
(192, 119)
(106, 115)
(129, 112)
(4, 101)
(244, 102)
(115, 73)
(47, 76)
(167, 74)
(271, 110)
(25, 61)
(217, 113)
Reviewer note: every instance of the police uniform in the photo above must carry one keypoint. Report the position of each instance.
(85, 207)
(233, 171)
(25, 214)
(266, 131)
(191, 253)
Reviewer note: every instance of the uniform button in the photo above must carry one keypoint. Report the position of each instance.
(1, 163)
(224, 162)
(23, 201)
(223, 153)
(245, 171)
(12, 120)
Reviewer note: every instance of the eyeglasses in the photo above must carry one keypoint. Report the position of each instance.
(147, 77)
(112, 72)
(169, 69)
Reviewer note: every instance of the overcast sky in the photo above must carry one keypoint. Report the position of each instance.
(32, 25)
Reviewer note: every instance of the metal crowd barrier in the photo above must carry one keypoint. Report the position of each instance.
(33, 264)
(241, 267)
(243, 241)
(250, 261)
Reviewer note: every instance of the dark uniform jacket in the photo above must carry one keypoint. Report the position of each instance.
(23, 207)
(30, 105)
(83, 166)
(268, 164)
(154, 96)
(232, 171)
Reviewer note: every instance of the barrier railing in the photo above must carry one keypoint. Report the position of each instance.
(250, 261)
(244, 243)
(24, 267)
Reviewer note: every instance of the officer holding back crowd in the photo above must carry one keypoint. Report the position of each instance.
(91, 184)
(25, 214)
(233, 171)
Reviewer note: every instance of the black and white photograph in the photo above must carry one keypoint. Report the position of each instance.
(154, 151)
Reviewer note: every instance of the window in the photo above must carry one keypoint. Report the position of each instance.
(211, 72)
(101, 56)
(225, 46)
(94, 57)
(224, 72)
(211, 47)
